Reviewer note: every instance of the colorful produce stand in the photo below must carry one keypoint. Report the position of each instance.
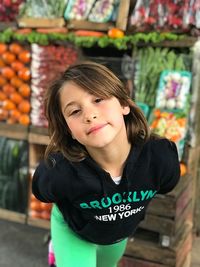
(155, 55)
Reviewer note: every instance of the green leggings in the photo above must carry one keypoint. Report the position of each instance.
(71, 251)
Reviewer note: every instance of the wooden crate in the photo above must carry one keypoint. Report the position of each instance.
(132, 262)
(171, 202)
(40, 22)
(145, 252)
(14, 131)
(166, 213)
(121, 21)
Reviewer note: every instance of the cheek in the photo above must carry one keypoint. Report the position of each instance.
(73, 127)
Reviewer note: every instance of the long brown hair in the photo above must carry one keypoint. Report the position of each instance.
(100, 81)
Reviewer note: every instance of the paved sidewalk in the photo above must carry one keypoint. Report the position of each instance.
(23, 246)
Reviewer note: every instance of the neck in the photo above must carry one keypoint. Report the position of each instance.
(112, 159)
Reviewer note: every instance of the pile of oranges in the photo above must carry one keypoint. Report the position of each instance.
(14, 84)
(39, 209)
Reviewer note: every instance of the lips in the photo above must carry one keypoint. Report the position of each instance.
(96, 128)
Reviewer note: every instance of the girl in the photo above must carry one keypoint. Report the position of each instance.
(102, 166)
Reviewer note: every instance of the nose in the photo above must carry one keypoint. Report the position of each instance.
(89, 115)
(90, 118)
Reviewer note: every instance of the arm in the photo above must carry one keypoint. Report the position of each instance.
(167, 164)
(50, 181)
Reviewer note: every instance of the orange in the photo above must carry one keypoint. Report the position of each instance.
(3, 48)
(3, 114)
(115, 33)
(35, 214)
(183, 169)
(15, 114)
(35, 205)
(3, 96)
(45, 215)
(11, 120)
(24, 74)
(24, 119)
(24, 90)
(8, 57)
(8, 89)
(24, 56)
(15, 48)
(17, 65)
(8, 105)
(24, 106)
(16, 98)
(46, 206)
(2, 63)
(16, 82)
(2, 81)
(7, 72)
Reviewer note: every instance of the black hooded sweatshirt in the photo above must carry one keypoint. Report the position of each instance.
(96, 208)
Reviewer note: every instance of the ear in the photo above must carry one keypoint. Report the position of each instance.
(125, 110)
(73, 137)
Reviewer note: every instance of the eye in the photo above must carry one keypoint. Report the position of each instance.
(98, 100)
(74, 112)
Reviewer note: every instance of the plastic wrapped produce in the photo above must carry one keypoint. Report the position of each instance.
(78, 9)
(9, 10)
(47, 63)
(103, 11)
(173, 89)
(176, 15)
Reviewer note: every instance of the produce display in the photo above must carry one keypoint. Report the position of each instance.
(92, 10)
(173, 89)
(174, 15)
(14, 83)
(9, 10)
(47, 63)
(42, 8)
(39, 210)
(13, 174)
(172, 125)
(150, 62)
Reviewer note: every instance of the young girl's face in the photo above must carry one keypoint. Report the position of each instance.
(93, 121)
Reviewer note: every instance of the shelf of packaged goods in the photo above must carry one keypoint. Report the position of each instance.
(38, 135)
(12, 216)
(14, 131)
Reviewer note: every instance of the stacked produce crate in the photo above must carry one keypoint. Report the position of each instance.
(164, 238)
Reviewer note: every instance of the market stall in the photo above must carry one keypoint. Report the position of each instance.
(153, 48)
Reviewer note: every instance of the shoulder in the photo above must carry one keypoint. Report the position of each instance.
(55, 162)
(162, 150)
(161, 145)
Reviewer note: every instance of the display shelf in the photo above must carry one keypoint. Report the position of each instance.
(12, 216)
(38, 223)
(14, 131)
(188, 41)
(6, 25)
(40, 22)
(38, 135)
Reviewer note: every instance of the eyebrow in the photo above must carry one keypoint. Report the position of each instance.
(69, 104)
